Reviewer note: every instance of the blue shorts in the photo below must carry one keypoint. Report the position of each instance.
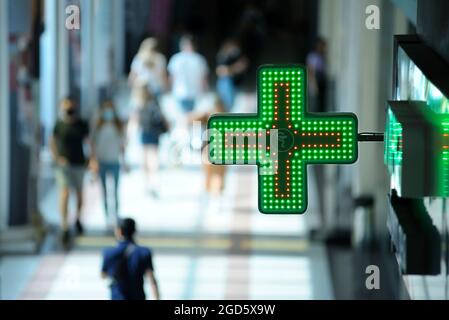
(149, 138)
(187, 105)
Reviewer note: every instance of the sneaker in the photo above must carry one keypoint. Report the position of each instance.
(79, 228)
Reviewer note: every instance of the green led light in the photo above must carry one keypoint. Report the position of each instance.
(302, 139)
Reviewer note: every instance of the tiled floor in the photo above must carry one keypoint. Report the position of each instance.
(276, 262)
(185, 277)
(15, 274)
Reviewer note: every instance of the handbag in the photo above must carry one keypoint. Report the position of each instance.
(153, 120)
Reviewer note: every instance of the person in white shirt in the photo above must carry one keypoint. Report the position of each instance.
(188, 74)
(108, 151)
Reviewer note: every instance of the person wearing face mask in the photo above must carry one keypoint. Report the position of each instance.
(108, 151)
(67, 148)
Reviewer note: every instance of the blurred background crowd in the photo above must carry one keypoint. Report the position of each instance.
(103, 120)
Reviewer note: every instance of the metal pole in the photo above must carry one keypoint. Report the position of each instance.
(4, 116)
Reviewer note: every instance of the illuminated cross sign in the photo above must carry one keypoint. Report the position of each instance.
(282, 139)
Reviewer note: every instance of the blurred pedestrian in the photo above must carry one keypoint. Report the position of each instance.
(67, 147)
(317, 77)
(317, 94)
(148, 69)
(127, 264)
(152, 125)
(214, 174)
(188, 74)
(251, 31)
(108, 153)
(231, 65)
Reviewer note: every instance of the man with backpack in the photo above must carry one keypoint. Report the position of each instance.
(127, 264)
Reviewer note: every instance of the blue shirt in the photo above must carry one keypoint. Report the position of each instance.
(138, 262)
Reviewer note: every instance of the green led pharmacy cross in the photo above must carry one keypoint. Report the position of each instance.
(282, 139)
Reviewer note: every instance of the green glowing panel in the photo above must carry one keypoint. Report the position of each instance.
(417, 149)
(417, 134)
(393, 142)
(282, 139)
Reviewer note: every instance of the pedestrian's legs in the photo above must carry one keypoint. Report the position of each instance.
(79, 204)
(153, 157)
(146, 165)
(220, 174)
(153, 167)
(77, 178)
(226, 91)
(103, 176)
(208, 177)
(116, 174)
(313, 103)
(64, 202)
